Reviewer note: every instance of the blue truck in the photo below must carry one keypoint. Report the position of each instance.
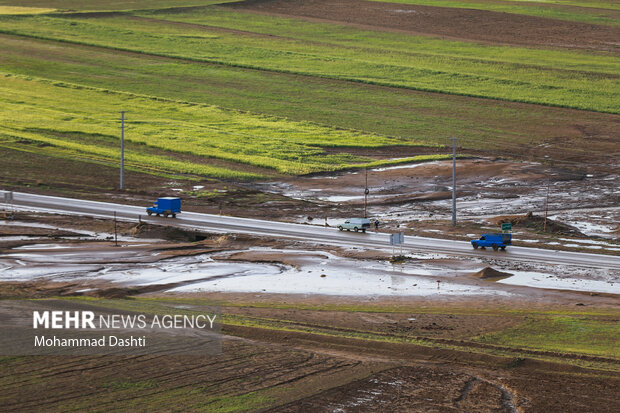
(495, 241)
(167, 206)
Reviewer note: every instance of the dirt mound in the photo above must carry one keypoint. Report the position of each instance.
(457, 23)
(537, 223)
(144, 230)
(490, 273)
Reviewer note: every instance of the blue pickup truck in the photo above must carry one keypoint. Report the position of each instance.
(168, 206)
(495, 241)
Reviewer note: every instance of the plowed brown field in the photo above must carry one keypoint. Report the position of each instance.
(465, 24)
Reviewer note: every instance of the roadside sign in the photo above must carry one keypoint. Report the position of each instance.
(397, 239)
(506, 226)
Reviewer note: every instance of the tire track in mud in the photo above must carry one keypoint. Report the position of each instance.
(507, 398)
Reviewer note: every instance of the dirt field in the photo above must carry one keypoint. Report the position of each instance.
(300, 377)
(462, 24)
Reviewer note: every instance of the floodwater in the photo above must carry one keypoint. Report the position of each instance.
(550, 281)
(324, 273)
(312, 273)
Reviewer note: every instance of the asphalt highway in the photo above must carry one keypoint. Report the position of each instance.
(308, 233)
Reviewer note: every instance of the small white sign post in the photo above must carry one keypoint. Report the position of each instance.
(397, 239)
(8, 200)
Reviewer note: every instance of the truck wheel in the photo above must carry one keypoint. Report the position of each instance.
(495, 247)
(165, 215)
(340, 228)
(364, 230)
(174, 215)
(475, 246)
(149, 212)
(503, 248)
(356, 229)
(158, 214)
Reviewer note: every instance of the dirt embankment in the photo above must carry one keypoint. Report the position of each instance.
(537, 223)
(465, 24)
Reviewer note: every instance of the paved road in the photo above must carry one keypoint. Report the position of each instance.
(311, 233)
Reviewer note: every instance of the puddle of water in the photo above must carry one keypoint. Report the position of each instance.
(180, 273)
(79, 232)
(405, 166)
(352, 283)
(85, 290)
(72, 257)
(337, 198)
(58, 273)
(589, 241)
(549, 281)
(20, 237)
(41, 247)
(586, 226)
(26, 224)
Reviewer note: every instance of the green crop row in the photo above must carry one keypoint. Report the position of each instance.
(562, 333)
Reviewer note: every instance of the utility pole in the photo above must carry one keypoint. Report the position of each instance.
(454, 182)
(366, 191)
(122, 149)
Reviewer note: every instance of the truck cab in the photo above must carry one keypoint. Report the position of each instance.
(495, 241)
(167, 206)
(355, 224)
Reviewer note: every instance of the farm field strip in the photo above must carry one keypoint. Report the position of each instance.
(599, 4)
(427, 118)
(109, 5)
(15, 10)
(209, 18)
(591, 83)
(595, 12)
(64, 115)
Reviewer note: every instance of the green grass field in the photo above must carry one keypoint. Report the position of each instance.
(568, 79)
(414, 116)
(226, 94)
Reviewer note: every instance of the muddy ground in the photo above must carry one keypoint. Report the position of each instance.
(418, 197)
(87, 255)
(462, 24)
(292, 352)
(301, 376)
